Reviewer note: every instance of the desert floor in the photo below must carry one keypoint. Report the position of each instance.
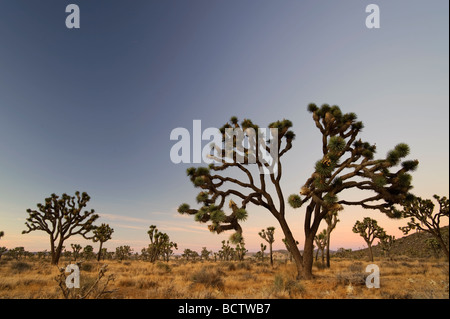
(401, 278)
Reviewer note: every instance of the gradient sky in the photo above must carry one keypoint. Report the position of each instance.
(92, 109)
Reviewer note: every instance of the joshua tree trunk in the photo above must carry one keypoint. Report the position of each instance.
(271, 257)
(444, 247)
(56, 253)
(369, 245)
(293, 249)
(328, 249)
(308, 257)
(99, 251)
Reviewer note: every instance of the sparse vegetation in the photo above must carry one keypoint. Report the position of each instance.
(401, 278)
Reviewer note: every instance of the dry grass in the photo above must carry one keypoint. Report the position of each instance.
(400, 279)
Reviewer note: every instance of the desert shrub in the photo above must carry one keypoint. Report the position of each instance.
(208, 278)
(248, 276)
(146, 284)
(87, 267)
(264, 265)
(406, 264)
(230, 266)
(278, 283)
(319, 265)
(356, 267)
(126, 282)
(5, 286)
(291, 286)
(244, 265)
(163, 267)
(353, 278)
(20, 266)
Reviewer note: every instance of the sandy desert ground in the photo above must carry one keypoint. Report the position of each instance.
(402, 278)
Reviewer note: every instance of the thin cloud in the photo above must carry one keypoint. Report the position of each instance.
(126, 218)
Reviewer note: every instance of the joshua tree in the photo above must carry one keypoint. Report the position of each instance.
(123, 252)
(2, 234)
(321, 242)
(386, 243)
(160, 244)
(167, 249)
(187, 253)
(268, 236)
(226, 250)
(240, 251)
(204, 254)
(102, 234)
(347, 163)
(76, 248)
(263, 248)
(369, 230)
(424, 217)
(2, 251)
(62, 218)
(88, 252)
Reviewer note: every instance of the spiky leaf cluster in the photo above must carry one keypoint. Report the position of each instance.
(349, 162)
(295, 201)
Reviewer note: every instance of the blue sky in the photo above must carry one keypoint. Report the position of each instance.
(92, 109)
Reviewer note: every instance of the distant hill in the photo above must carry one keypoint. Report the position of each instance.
(415, 245)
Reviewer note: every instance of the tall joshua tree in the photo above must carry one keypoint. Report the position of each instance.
(369, 230)
(268, 236)
(62, 217)
(102, 234)
(424, 217)
(347, 163)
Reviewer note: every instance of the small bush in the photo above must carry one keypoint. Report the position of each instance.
(86, 267)
(20, 266)
(320, 265)
(244, 265)
(126, 282)
(292, 287)
(353, 278)
(208, 278)
(163, 267)
(356, 267)
(146, 284)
